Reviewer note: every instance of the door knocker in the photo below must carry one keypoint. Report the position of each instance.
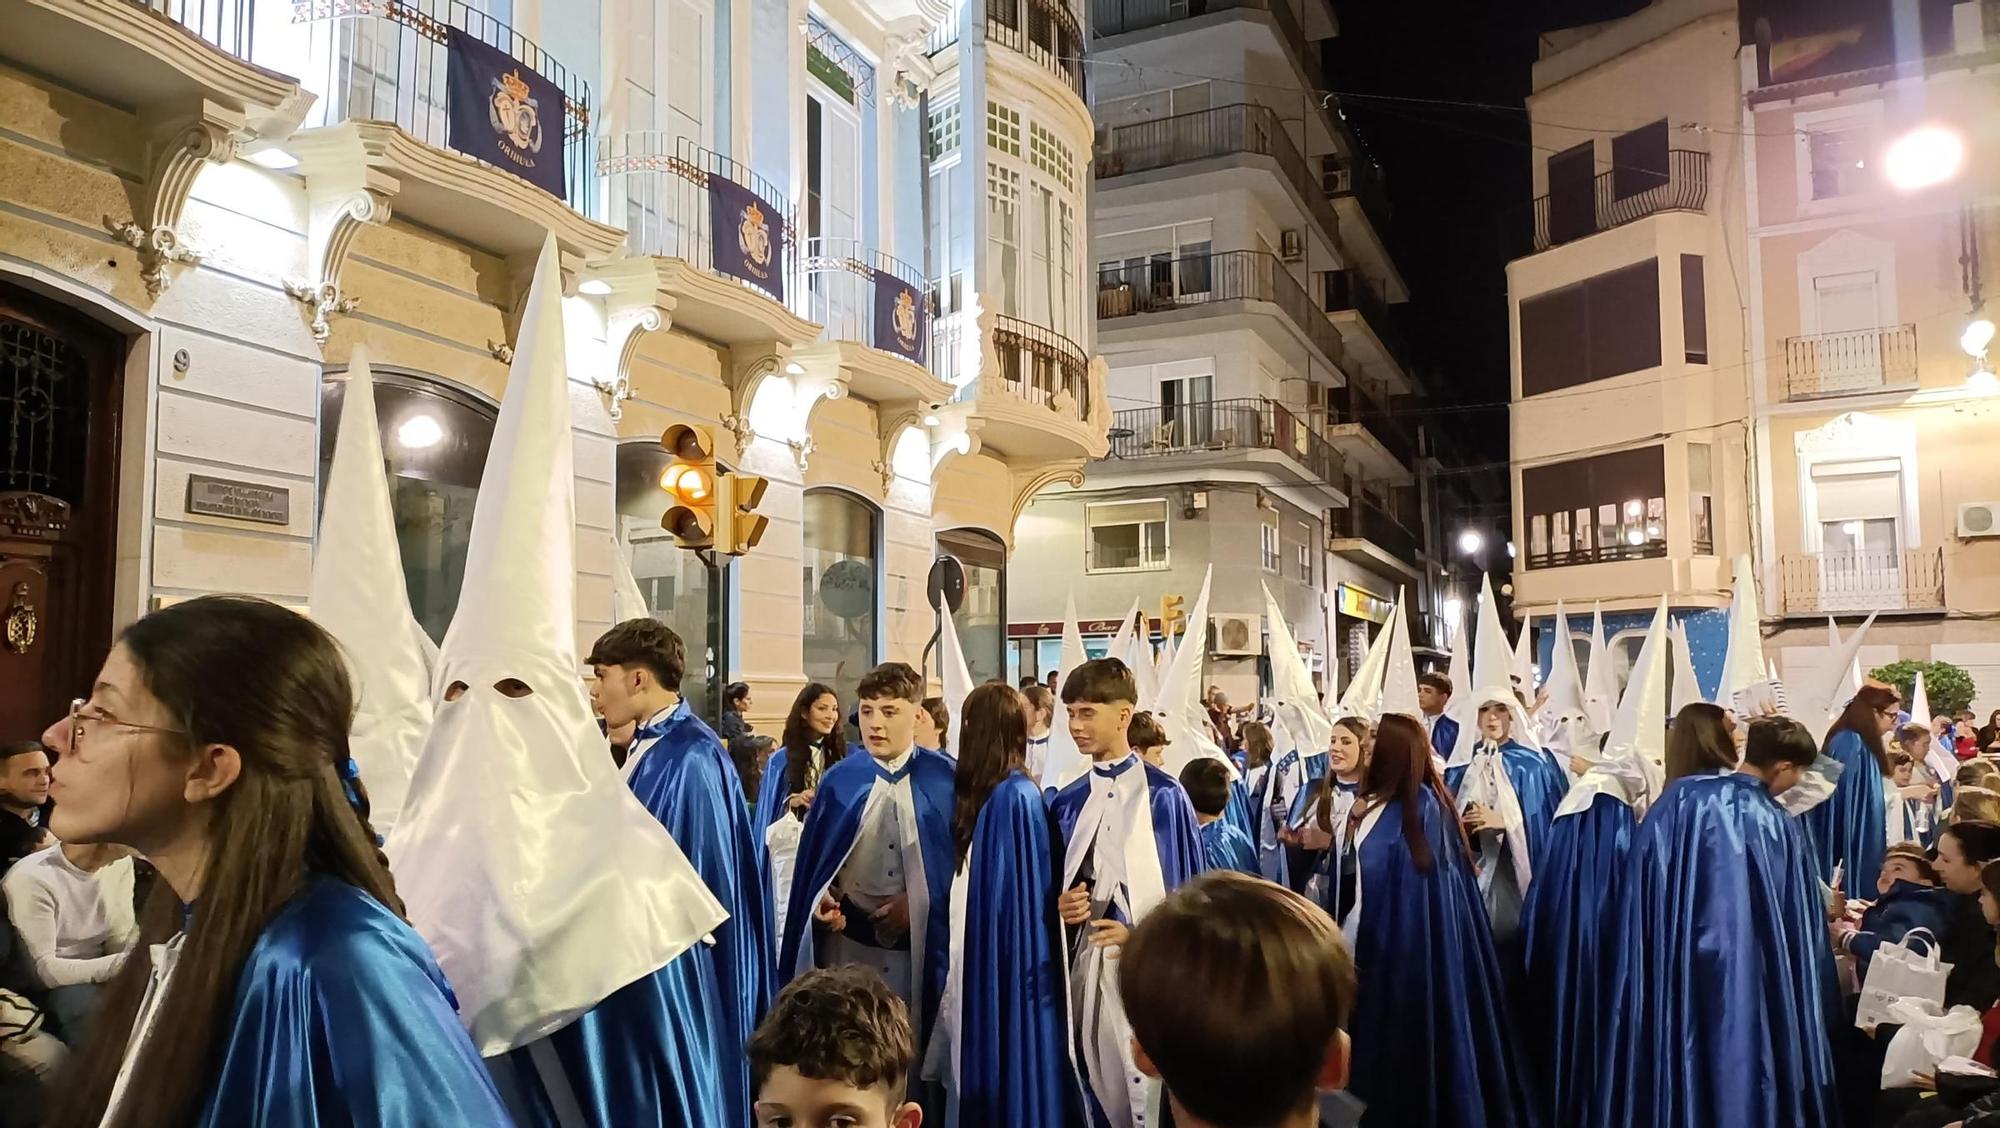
(21, 621)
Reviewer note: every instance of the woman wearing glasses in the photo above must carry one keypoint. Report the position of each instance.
(276, 980)
(1850, 829)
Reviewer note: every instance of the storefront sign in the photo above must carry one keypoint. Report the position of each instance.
(504, 113)
(847, 588)
(1360, 603)
(244, 501)
(1083, 626)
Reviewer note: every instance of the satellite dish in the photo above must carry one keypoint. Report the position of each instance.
(946, 586)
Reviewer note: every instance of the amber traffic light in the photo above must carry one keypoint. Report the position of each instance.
(690, 484)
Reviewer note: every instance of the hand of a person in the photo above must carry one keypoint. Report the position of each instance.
(801, 802)
(1478, 817)
(828, 913)
(1926, 1080)
(1837, 908)
(1579, 765)
(1074, 905)
(1311, 837)
(893, 918)
(1108, 934)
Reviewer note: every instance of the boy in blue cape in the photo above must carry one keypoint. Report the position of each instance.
(1223, 846)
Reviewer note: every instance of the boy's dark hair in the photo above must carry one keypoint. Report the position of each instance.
(13, 748)
(1028, 680)
(1236, 988)
(1101, 681)
(836, 1024)
(1901, 760)
(647, 644)
(1776, 741)
(891, 679)
(1144, 731)
(1911, 852)
(1207, 783)
(1039, 697)
(1436, 681)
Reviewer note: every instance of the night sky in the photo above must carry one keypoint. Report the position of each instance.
(1459, 182)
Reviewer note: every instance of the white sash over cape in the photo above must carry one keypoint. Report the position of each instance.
(1486, 782)
(899, 796)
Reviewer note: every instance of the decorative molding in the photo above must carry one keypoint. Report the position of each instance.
(1028, 483)
(802, 449)
(895, 418)
(333, 219)
(324, 301)
(179, 148)
(908, 59)
(750, 365)
(622, 335)
(503, 352)
(739, 427)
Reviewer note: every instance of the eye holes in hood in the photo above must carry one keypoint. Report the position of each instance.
(506, 687)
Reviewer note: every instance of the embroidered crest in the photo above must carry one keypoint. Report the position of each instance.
(753, 238)
(515, 113)
(906, 318)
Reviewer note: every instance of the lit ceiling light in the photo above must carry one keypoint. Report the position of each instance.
(419, 431)
(1470, 542)
(1976, 337)
(1982, 383)
(273, 158)
(1634, 508)
(595, 287)
(1634, 537)
(1851, 528)
(794, 368)
(931, 420)
(1924, 158)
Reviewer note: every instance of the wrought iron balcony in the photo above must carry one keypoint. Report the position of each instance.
(1036, 364)
(228, 24)
(386, 60)
(1223, 131)
(1845, 364)
(1043, 30)
(1821, 583)
(1215, 426)
(661, 183)
(839, 293)
(1188, 281)
(1353, 290)
(1621, 196)
(1363, 520)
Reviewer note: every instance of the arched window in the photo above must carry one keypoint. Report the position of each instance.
(675, 582)
(843, 589)
(434, 439)
(982, 620)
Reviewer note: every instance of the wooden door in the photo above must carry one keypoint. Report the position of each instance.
(59, 445)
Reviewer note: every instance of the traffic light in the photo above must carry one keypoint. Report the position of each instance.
(1173, 619)
(738, 526)
(691, 482)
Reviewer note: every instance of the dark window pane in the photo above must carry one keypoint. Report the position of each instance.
(1624, 317)
(1694, 311)
(1639, 160)
(842, 594)
(1553, 341)
(1572, 208)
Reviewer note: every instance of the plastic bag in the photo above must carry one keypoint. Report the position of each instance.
(1928, 1038)
(1900, 972)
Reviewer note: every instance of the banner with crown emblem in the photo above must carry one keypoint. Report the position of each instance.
(746, 236)
(504, 113)
(899, 317)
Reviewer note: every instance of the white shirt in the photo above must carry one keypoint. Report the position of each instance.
(875, 870)
(1038, 755)
(165, 957)
(641, 747)
(74, 924)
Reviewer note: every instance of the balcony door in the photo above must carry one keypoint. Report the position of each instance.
(1572, 199)
(833, 205)
(1849, 344)
(1187, 403)
(1859, 510)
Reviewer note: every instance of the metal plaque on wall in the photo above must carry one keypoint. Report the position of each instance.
(244, 501)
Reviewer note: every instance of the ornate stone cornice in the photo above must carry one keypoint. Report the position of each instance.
(178, 146)
(335, 214)
(1029, 482)
(621, 339)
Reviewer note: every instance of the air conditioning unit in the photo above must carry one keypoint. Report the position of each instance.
(1291, 244)
(1237, 634)
(1979, 519)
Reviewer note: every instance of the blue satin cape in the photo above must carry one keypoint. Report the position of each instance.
(1432, 1044)
(1444, 737)
(1572, 904)
(831, 827)
(1720, 993)
(772, 793)
(343, 1018)
(1850, 826)
(689, 783)
(1225, 847)
(1175, 834)
(1237, 812)
(1539, 782)
(1014, 1063)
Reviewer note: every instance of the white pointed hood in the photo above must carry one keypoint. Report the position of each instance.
(1600, 694)
(954, 678)
(1399, 673)
(1179, 706)
(1363, 695)
(1492, 678)
(1920, 701)
(1563, 716)
(1686, 686)
(1838, 681)
(1525, 666)
(1131, 646)
(358, 595)
(1743, 659)
(542, 884)
(1291, 683)
(1633, 767)
(1064, 760)
(627, 600)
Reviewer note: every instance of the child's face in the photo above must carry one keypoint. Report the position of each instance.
(1495, 723)
(1903, 775)
(1099, 728)
(1155, 755)
(888, 725)
(1896, 868)
(790, 1100)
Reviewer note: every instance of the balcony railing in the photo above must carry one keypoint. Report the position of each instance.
(1214, 426)
(1612, 551)
(385, 60)
(1821, 583)
(1621, 196)
(1844, 364)
(660, 182)
(1362, 520)
(228, 24)
(840, 288)
(1351, 289)
(1036, 364)
(1207, 134)
(1361, 180)
(1045, 31)
(1181, 281)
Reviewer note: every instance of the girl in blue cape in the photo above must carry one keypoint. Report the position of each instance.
(1719, 991)
(276, 981)
(812, 743)
(1849, 830)
(999, 1046)
(1432, 1042)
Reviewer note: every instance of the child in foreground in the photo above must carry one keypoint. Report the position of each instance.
(836, 1049)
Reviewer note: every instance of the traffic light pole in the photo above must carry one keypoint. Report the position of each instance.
(719, 572)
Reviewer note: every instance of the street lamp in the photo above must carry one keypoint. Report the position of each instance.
(1924, 158)
(1470, 542)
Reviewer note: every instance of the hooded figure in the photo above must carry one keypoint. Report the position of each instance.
(1570, 907)
(358, 595)
(558, 906)
(1563, 722)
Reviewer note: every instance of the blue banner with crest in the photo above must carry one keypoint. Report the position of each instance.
(900, 317)
(746, 236)
(503, 112)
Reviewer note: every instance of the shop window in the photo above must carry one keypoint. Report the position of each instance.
(842, 589)
(982, 619)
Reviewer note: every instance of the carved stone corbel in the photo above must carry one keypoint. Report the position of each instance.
(749, 367)
(802, 449)
(1028, 483)
(179, 148)
(910, 68)
(333, 220)
(622, 336)
(895, 418)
